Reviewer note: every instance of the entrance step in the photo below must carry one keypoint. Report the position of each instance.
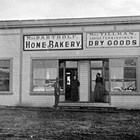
(87, 107)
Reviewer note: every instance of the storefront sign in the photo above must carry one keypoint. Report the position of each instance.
(112, 39)
(53, 42)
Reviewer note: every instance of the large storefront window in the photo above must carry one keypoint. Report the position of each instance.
(123, 74)
(44, 75)
(4, 75)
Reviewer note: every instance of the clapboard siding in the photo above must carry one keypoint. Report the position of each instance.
(67, 29)
(36, 30)
(98, 28)
(127, 102)
(10, 45)
(9, 31)
(128, 27)
(84, 80)
(10, 49)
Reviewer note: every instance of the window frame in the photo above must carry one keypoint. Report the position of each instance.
(31, 78)
(10, 76)
(124, 79)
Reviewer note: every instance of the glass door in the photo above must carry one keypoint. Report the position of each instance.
(99, 92)
(93, 83)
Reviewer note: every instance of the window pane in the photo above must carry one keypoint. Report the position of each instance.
(51, 64)
(4, 77)
(130, 62)
(93, 85)
(44, 71)
(4, 85)
(38, 63)
(93, 74)
(130, 85)
(4, 73)
(129, 72)
(61, 64)
(117, 62)
(4, 63)
(96, 64)
(51, 73)
(117, 73)
(106, 87)
(38, 85)
(44, 63)
(117, 86)
(71, 64)
(49, 85)
(38, 73)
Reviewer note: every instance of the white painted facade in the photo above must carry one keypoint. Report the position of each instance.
(11, 45)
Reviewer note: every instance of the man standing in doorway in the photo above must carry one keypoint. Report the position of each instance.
(56, 93)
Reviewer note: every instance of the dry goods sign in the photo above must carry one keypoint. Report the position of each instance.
(53, 42)
(112, 39)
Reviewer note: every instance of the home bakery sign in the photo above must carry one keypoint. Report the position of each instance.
(112, 39)
(52, 42)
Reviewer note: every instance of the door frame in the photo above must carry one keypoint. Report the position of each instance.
(102, 68)
(74, 72)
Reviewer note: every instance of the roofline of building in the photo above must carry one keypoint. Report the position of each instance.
(69, 22)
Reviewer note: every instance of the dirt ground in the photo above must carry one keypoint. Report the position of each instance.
(41, 124)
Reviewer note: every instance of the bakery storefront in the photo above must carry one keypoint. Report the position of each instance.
(36, 52)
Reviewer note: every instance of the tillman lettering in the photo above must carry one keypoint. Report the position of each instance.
(113, 39)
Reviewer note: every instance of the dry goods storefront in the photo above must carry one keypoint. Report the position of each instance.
(34, 53)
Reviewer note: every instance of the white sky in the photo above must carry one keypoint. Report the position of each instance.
(54, 9)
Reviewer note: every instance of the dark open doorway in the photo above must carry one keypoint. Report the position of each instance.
(70, 73)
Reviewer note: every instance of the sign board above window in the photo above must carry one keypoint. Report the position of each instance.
(53, 42)
(112, 39)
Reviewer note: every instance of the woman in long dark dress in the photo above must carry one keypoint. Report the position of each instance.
(75, 89)
(98, 90)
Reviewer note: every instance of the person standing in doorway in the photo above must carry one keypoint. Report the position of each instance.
(56, 93)
(98, 90)
(75, 89)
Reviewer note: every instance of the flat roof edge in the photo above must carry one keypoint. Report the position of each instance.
(70, 22)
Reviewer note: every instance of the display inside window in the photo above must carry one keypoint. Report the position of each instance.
(123, 75)
(117, 86)
(38, 85)
(130, 85)
(44, 75)
(4, 75)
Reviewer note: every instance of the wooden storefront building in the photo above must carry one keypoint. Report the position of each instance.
(34, 52)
